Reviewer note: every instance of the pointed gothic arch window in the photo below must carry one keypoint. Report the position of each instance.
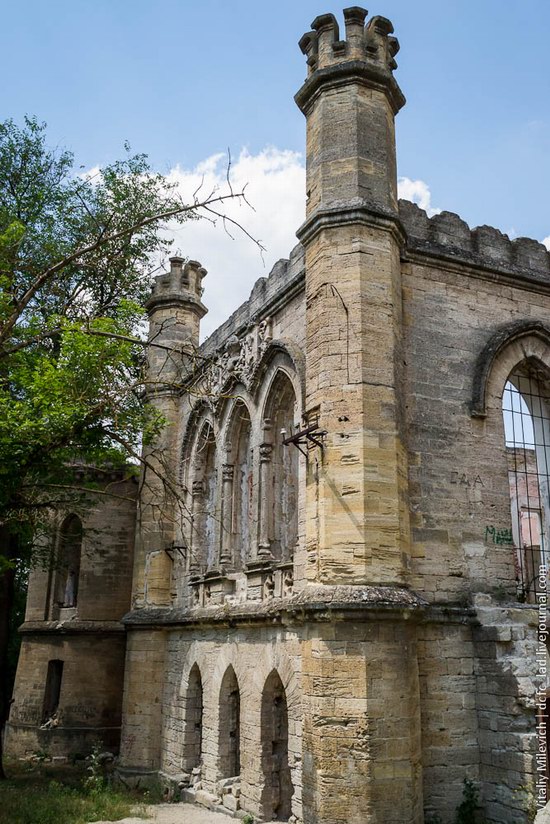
(277, 790)
(69, 550)
(237, 490)
(282, 492)
(526, 412)
(204, 487)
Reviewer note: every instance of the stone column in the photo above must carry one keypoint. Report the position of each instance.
(197, 492)
(266, 450)
(226, 554)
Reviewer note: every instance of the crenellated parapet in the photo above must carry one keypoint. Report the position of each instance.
(175, 309)
(182, 284)
(373, 42)
(367, 48)
(350, 99)
(447, 235)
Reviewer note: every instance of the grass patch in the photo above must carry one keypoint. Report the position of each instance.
(35, 797)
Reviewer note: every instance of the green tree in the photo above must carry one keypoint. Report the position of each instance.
(76, 258)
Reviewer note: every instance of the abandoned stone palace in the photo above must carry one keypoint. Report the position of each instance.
(326, 610)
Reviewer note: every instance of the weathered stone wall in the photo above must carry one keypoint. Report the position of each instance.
(87, 639)
(386, 646)
(253, 653)
(466, 293)
(448, 711)
(106, 559)
(144, 677)
(350, 679)
(459, 471)
(91, 696)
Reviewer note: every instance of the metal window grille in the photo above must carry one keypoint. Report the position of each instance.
(526, 410)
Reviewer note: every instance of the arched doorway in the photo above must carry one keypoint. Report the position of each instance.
(278, 789)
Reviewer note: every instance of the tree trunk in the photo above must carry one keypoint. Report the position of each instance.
(8, 544)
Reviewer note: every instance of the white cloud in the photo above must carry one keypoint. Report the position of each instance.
(546, 242)
(275, 186)
(418, 192)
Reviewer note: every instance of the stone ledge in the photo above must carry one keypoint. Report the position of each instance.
(57, 627)
(350, 212)
(314, 601)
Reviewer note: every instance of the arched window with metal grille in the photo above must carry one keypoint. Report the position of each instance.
(526, 411)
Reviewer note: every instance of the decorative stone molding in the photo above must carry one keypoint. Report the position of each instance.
(512, 333)
(238, 360)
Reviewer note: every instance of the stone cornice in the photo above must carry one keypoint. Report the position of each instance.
(371, 75)
(175, 300)
(342, 214)
(72, 628)
(314, 603)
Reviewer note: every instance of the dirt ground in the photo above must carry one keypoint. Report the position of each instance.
(176, 814)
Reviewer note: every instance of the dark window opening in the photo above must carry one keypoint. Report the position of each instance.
(278, 790)
(230, 727)
(68, 562)
(193, 725)
(52, 691)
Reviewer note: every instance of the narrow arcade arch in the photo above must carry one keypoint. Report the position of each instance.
(278, 790)
(229, 743)
(69, 551)
(192, 748)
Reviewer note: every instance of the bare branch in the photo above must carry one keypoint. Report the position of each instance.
(103, 239)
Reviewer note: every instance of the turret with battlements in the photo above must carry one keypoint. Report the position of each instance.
(357, 518)
(352, 238)
(350, 99)
(175, 310)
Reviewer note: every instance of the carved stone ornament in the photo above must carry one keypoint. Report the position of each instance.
(269, 587)
(239, 358)
(288, 583)
(197, 488)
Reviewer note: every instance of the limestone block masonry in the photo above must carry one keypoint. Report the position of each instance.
(336, 595)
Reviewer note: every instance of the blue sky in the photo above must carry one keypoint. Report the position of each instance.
(184, 80)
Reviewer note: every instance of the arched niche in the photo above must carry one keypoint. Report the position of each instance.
(280, 478)
(237, 521)
(69, 551)
(229, 726)
(277, 787)
(204, 484)
(192, 749)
